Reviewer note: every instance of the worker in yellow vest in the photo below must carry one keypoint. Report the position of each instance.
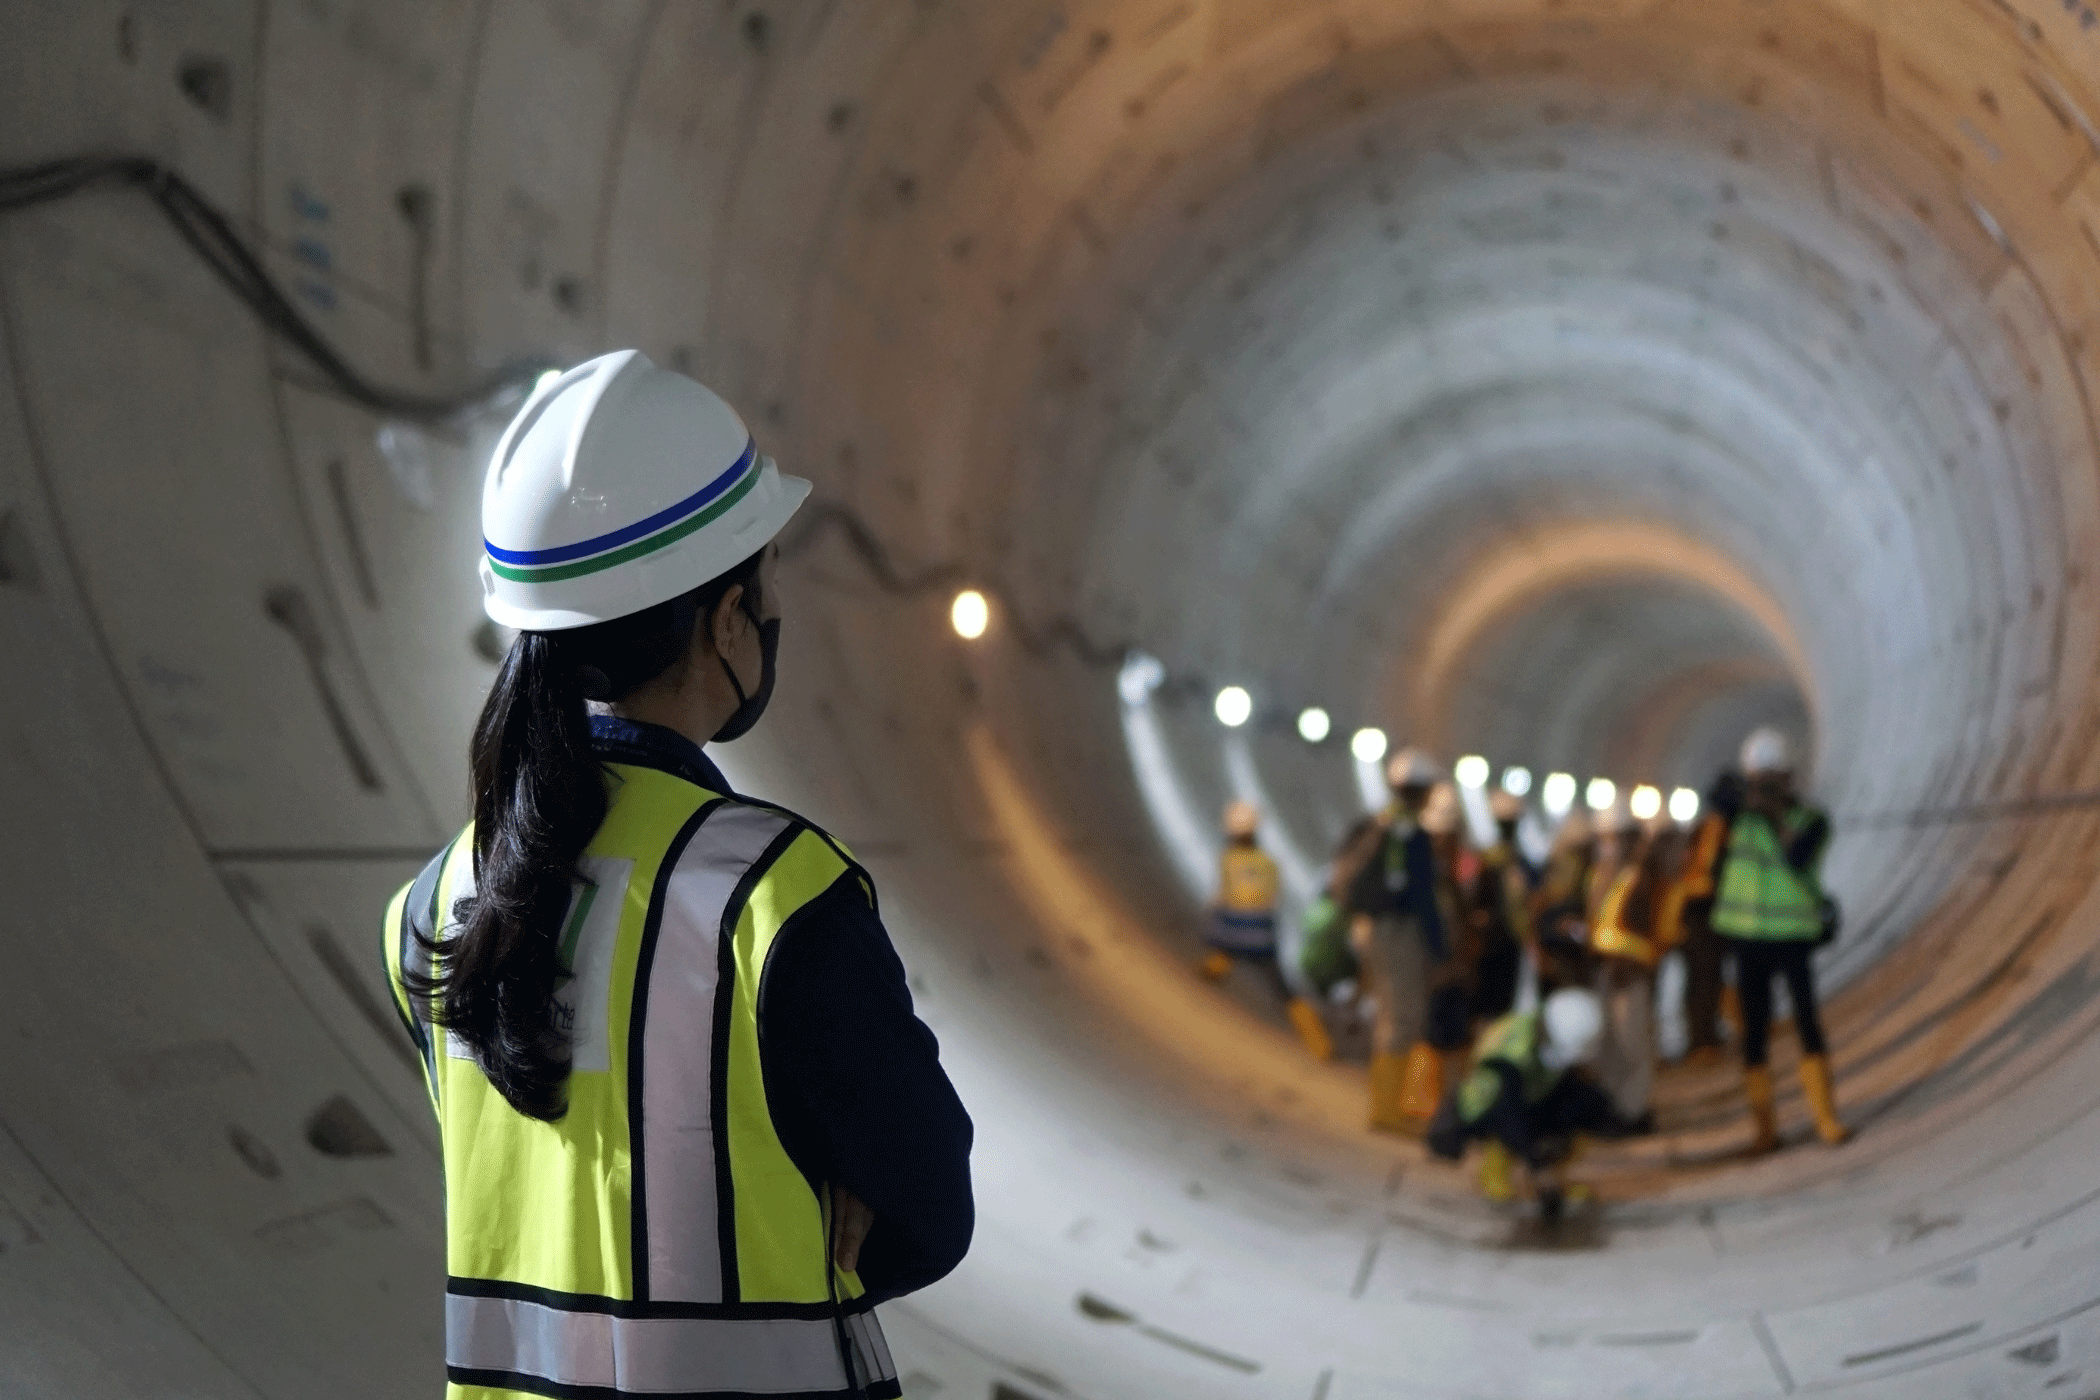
(692, 1131)
(1243, 923)
(1637, 922)
(1774, 914)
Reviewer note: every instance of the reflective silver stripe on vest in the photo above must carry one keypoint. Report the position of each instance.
(871, 1350)
(683, 1229)
(639, 1355)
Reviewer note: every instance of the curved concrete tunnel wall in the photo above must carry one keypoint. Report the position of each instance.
(1324, 347)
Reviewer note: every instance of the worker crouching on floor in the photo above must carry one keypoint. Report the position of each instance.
(1774, 914)
(1526, 1097)
(1243, 923)
(1389, 874)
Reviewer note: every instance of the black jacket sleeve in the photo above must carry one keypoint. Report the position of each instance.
(856, 1089)
(1808, 841)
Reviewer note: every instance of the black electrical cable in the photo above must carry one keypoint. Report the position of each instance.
(211, 235)
(1038, 639)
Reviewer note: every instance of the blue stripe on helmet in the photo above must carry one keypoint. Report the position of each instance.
(668, 516)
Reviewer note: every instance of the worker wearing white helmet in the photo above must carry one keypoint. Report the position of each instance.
(1772, 910)
(1242, 925)
(678, 1081)
(1526, 1094)
(1390, 875)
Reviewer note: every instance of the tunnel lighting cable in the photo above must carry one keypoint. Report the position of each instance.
(1517, 781)
(1472, 771)
(1234, 706)
(970, 614)
(211, 235)
(1600, 794)
(1314, 725)
(1684, 806)
(1646, 803)
(1558, 794)
(1367, 745)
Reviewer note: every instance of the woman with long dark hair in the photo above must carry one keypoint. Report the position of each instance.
(692, 1129)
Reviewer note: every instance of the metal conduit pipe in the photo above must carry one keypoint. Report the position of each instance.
(1573, 381)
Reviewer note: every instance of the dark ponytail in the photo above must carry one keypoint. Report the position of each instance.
(539, 798)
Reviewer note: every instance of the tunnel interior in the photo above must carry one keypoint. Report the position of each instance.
(1574, 382)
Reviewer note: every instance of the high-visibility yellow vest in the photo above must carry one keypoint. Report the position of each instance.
(1247, 881)
(1244, 917)
(1698, 881)
(1609, 935)
(1762, 895)
(657, 1237)
(1514, 1041)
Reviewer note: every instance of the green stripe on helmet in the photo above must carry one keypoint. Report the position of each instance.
(555, 573)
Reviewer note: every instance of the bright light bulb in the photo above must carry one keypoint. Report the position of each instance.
(1645, 803)
(1600, 794)
(1234, 706)
(1517, 782)
(1368, 745)
(1684, 806)
(1471, 771)
(971, 614)
(1314, 726)
(1140, 676)
(1559, 794)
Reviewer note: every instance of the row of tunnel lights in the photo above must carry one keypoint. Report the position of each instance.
(1234, 707)
(971, 614)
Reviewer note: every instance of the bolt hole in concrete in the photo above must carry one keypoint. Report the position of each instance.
(338, 1129)
(1572, 384)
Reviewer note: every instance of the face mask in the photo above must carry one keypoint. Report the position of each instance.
(750, 707)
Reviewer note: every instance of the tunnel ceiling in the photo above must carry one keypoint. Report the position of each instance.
(1576, 380)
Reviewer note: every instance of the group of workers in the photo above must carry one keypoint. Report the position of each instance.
(1514, 1003)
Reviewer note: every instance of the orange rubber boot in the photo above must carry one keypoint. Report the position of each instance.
(1764, 1118)
(1815, 1083)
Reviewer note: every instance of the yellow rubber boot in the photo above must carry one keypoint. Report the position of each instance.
(1815, 1083)
(1388, 1078)
(1215, 966)
(1305, 1018)
(1424, 1083)
(1496, 1182)
(1764, 1119)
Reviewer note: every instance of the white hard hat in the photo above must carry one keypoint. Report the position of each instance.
(1574, 1023)
(1412, 768)
(1441, 815)
(1242, 818)
(1505, 806)
(1767, 751)
(619, 486)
